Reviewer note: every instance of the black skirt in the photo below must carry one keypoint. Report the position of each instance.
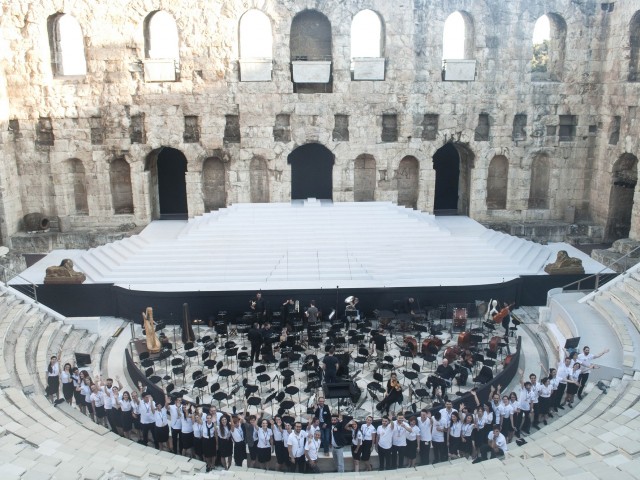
(79, 398)
(53, 385)
(225, 447)
(467, 445)
(197, 446)
(454, 445)
(543, 405)
(572, 388)
(187, 440)
(356, 454)
(68, 391)
(162, 434)
(100, 413)
(366, 450)
(209, 447)
(411, 449)
(126, 420)
(282, 454)
(264, 455)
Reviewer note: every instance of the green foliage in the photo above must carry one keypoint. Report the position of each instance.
(540, 57)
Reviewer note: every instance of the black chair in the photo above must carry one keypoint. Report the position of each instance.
(147, 362)
(250, 390)
(226, 373)
(200, 384)
(219, 396)
(485, 375)
(143, 355)
(148, 372)
(293, 390)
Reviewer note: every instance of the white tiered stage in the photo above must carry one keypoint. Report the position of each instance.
(310, 245)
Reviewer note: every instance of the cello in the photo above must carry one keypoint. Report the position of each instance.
(431, 346)
(498, 317)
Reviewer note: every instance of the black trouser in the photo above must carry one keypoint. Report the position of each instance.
(440, 453)
(176, 437)
(397, 456)
(583, 378)
(536, 414)
(255, 352)
(562, 387)
(384, 458)
(146, 428)
(517, 421)
(485, 449)
(424, 453)
(239, 452)
(111, 416)
(300, 464)
(526, 424)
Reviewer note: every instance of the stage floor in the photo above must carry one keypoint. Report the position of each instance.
(310, 245)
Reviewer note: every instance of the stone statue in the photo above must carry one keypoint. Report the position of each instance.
(63, 274)
(153, 343)
(565, 265)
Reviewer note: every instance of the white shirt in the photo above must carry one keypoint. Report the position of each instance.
(456, 429)
(208, 430)
(125, 405)
(65, 377)
(197, 430)
(446, 415)
(356, 437)
(176, 415)
(312, 430)
(135, 407)
(224, 434)
(263, 437)
(414, 434)
(505, 412)
(467, 429)
(85, 390)
(501, 442)
(385, 436)
(367, 431)
(563, 372)
(147, 412)
(97, 398)
(161, 418)
(108, 398)
(436, 435)
(312, 448)
(425, 429)
(526, 397)
(585, 362)
(237, 434)
(187, 425)
(535, 392)
(55, 370)
(545, 391)
(399, 435)
(296, 442)
(277, 434)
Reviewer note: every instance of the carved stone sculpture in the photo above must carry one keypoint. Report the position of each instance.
(565, 265)
(63, 274)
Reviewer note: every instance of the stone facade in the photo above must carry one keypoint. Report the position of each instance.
(58, 132)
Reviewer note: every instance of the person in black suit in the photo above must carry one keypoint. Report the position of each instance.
(254, 335)
(259, 307)
(323, 413)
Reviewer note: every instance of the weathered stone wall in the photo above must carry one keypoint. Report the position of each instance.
(93, 117)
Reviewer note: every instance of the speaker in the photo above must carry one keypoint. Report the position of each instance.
(572, 343)
(82, 359)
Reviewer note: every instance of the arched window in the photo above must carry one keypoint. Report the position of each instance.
(634, 48)
(76, 169)
(161, 48)
(310, 49)
(258, 181)
(121, 191)
(256, 38)
(213, 184)
(364, 178)
(366, 35)
(549, 35)
(539, 187)
(66, 45)
(497, 179)
(458, 39)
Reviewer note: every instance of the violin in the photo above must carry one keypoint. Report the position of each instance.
(498, 317)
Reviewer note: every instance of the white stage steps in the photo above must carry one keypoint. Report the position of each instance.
(308, 244)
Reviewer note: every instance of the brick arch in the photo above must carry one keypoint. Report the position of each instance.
(364, 178)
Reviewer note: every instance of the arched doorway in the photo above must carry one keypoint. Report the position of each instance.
(168, 167)
(623, 184)
(408, 178)
(311, 172)
(452, 163)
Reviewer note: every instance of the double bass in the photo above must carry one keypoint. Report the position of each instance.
(498, 317)
(431, 346)
(412, 344)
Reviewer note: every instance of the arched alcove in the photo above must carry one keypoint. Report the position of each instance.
(458, 42)
(311, 172)
(539, 186)
(168, 188)
(256, 46)
(259, 180)
(497, 180)
(121, 191)
(624, 178)
(161, 47)
(310, 47)
(453, 163)
(408, 181)
(367, 39)
(214, 184)
(66, 44)
(78, 180)
(364, 178)
(634, 48)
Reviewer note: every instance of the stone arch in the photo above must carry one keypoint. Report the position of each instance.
(364, 178)
(311, 172)
(548, 56)
(214, 184)
(458, 41)
(367, 34)
(121, 191)
(408, 181)
(497, 180)
(624, 178)
(161, 38)
(66, 44)
(311, 41)
(634, 48)
(168, 188)
(255, 35)
(539, 186)
(259, 180)
(78, 182)
(453, 163)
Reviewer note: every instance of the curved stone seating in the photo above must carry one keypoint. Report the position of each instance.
(39, 439)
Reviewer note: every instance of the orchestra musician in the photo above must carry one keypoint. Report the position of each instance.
(393, 395)
(288, 307)
(258, 306)
(312, 312)
(351, 303)
(443, 376)
(410, 306)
